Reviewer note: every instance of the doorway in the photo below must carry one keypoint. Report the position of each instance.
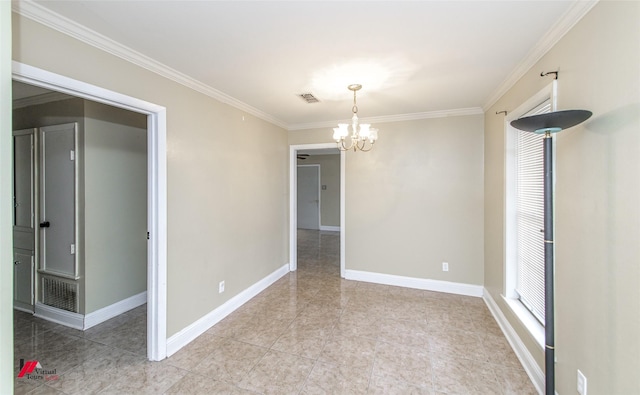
(294, 151)
(308, 198)
(156, 187)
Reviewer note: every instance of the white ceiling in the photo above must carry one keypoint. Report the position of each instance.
(411, 57)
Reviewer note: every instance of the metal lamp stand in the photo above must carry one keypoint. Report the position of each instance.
(549, 123)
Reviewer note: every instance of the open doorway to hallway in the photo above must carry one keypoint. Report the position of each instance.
(317, 201)
(156, 187)
(80, 215)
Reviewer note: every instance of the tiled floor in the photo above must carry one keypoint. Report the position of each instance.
(309, 333)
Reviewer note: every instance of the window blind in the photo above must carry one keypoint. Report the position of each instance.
(530, 217)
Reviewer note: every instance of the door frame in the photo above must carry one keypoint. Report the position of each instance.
(32, 230)
(319, 194)
(156, 186)
(293, 202)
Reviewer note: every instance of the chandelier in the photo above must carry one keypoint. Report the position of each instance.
(362, 136)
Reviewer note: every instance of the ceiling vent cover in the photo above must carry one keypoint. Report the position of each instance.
(309, 97)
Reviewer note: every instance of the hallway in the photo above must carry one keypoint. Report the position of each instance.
(311, 332)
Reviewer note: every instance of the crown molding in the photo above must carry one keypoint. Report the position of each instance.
(460, 112)
(40, 99)
(566, 22)
(44, 16)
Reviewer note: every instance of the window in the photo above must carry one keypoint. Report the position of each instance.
(524, 215)
(529, 212)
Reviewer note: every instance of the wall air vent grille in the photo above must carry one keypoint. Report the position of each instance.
(309, 98)
(60, 294)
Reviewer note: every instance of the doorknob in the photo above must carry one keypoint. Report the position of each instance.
(45, 224)
(16, 262)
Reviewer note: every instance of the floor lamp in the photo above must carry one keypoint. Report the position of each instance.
(551, 122)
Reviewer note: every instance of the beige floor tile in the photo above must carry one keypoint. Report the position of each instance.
(193, 353)
(386, 385)
(457, 343)
(463, 376)
(499, 352)
(310, 332)
(22, 386)
(278, 373)
(336, 379)
(46, 390)
(300, 343)
(193, 384)
(231, 325)
(85, 379)
(313, 327)
(411, 365)
(353, 351)
(148, 378)
(514, 381)
(413, 333)
(230, 362)
(357, 324)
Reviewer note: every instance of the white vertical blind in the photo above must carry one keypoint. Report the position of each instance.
(530, 217)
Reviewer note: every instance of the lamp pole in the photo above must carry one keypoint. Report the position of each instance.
(549, 350)
(548, 123)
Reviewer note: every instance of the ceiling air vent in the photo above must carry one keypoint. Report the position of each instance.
(309, 98)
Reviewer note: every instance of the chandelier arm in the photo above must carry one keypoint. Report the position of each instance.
(343, 147)
(368, 149)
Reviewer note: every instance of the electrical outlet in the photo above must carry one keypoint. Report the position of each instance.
(582, 383)
(221, 287)
(445, 266)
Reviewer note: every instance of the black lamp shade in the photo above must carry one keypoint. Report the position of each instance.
(551, 121)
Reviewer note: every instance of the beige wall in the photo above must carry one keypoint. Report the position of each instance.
(215, 230)
(330, 197)
(6, 200)
(416, 199)
(115, 213)
(597, 199)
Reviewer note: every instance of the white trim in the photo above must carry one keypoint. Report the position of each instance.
(21, 307)
(191, 332)
(343, 214)
(7, 363)
(460, 112)
(567, 21)
(43, 15)
(293, 206)
(528, 320)
(59, 316)
(526, 359)
(157, 188)
(327, 228)
(113, 310)
(417, 283)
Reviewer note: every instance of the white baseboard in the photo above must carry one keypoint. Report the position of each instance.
(27, 308)
(191, 332)
(114, 310)
(417, 283)
(528, 362)
(59, 316)
(328, 228)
